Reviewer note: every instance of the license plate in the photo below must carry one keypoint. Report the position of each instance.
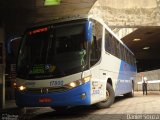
(56, 83)
(45, 100)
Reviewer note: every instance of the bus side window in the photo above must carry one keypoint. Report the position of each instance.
(116, 47)
(120, 52)
(124, 51)
(96, 44)
(113, 45)
(130, 59)
(95, 50)
(135, 62)
(107, 42)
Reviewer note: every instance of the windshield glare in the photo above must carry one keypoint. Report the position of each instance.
(52, 52)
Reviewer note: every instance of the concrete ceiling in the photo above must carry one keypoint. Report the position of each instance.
(149, 37)
(19, 14)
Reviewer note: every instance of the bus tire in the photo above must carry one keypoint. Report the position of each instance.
(109, 100)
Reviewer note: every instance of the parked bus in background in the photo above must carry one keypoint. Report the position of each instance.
(12, 51)
(11, 58)
(72, 62)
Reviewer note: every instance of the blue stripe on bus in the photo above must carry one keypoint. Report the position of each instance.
(125, 73)
(68, 98)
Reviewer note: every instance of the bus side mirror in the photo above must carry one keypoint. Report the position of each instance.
(88, 31)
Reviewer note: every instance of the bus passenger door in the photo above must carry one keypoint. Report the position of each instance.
(95, 62)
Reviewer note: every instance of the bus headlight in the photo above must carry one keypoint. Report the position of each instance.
(77, 82)
(72, 84)
(21, 88)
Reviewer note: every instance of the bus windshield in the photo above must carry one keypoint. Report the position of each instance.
(52, 52)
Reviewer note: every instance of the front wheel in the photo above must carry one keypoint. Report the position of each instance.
(110, 96)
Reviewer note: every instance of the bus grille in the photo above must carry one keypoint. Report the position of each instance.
(47, 90)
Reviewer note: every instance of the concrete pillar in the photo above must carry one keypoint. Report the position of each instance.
(2, 67)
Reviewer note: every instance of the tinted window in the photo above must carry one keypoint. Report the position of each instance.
(96, 43)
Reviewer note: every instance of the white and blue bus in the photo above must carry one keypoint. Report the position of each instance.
(72, 62)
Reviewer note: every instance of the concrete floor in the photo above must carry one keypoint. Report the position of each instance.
(138, 107)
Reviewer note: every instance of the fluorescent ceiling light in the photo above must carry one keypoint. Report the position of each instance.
(136, 39)
(146, 48)
(51, 2)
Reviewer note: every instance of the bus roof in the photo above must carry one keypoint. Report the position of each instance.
(60, 20)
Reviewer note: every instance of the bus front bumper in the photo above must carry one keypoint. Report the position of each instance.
(77, 96)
